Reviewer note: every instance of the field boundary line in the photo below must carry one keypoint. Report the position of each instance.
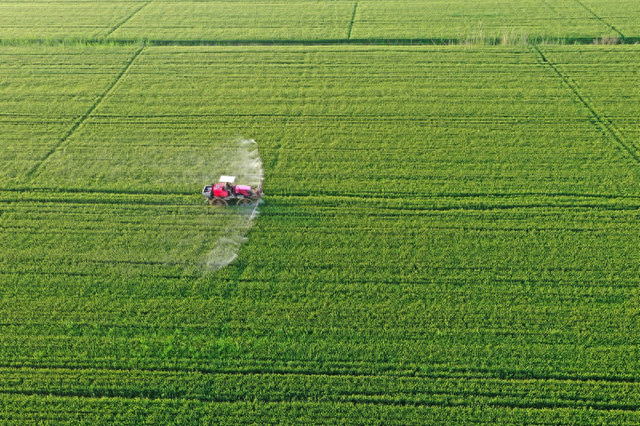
(606, 125)
(125, 20)
(33, 172)
(353, 18)
(588, 9)
(431, 41)
(115, 192)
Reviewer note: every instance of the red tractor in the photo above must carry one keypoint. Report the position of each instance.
(219, 194)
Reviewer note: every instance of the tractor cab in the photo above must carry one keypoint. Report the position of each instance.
(220, 190)
(223, 189)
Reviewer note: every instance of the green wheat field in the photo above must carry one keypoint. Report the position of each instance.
(450, 231)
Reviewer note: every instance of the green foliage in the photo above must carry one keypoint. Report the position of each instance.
(46, 20)
(449, 234)
(486, 22)
(313, 21)
(239, 20)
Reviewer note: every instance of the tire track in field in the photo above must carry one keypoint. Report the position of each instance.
(482, 201)
(412, 396)
(431, 399)
(353, 18)
(343, 368)
(125, 20)
(390, 211)
(605, 125)
(35, 170)
(588, 9)
(20, 190)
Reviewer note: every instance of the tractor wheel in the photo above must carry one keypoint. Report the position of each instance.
(218, 202)
(244, 202)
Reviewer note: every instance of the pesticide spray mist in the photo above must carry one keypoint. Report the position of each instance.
(241, 159)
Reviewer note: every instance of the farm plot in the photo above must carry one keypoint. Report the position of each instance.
(239, 21)
(448, 236)
(404, 400)
(460, 21)
(48, 96)
(614, 99)
(528, 313)
(65, 233)
(63, 20)
(44, 93)
(439, 123)
(194, 22)
(623, 16)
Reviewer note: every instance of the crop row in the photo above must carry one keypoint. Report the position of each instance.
(572, 355)
(327, 388)
(64, 236)
(82, 410)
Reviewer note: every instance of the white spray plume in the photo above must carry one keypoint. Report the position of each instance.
(242, 160)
